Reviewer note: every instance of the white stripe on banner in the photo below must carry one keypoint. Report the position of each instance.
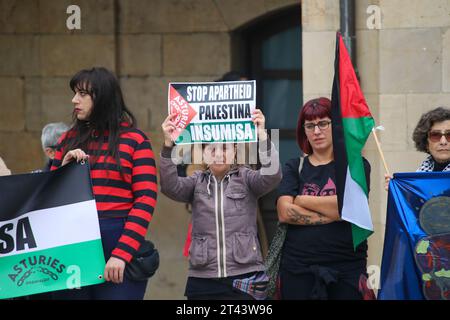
(356, 206)
(59, 226)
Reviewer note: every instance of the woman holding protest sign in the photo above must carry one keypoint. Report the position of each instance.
(225, 259)
(123, 175)
(432, 136)
(318, 260)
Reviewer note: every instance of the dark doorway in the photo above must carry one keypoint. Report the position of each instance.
(269, 51)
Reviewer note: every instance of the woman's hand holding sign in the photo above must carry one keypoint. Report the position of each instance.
(76, 154)
(168, 127)
(260, 122)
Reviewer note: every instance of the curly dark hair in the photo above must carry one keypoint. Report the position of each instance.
(420, 134)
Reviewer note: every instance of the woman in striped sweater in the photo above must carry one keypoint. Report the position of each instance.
(123, 175)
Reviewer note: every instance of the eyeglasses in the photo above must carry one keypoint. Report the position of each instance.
(436, 136)
(323, 125)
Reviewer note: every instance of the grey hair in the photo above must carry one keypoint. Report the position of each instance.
(51, 133)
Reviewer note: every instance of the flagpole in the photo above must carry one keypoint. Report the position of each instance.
(380, 151)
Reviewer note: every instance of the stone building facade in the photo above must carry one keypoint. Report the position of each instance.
(403, 58)
(403, 62)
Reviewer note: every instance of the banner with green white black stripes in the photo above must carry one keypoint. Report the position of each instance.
(49, 232)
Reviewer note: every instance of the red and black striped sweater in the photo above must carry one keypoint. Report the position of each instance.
(131, 195)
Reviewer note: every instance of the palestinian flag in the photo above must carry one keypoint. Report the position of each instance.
(49, 232)
(352, 124)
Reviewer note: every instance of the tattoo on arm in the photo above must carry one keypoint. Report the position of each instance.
(313, 218)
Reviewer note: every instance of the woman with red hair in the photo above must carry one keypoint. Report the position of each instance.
(318, 260)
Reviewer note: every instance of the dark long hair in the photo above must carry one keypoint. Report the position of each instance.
(105, 123)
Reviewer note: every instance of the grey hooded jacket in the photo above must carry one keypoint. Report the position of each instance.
(224, 229)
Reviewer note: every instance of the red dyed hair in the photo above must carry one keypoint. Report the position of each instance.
(313, 109)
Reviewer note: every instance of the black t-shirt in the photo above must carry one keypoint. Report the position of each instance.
(327, 244)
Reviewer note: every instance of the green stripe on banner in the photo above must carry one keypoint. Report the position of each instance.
(207, 132)
(359, 235)
(64, 267)
(356, 132)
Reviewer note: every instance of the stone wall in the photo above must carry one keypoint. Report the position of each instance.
(148, 43)
(404, 70)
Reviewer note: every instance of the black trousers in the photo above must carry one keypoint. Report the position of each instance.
(300, 287)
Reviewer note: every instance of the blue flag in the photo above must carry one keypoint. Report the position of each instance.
(415, 264)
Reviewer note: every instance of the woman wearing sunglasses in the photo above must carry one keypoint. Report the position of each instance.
(432, 136)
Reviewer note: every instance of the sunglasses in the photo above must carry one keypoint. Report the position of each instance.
(436, 136)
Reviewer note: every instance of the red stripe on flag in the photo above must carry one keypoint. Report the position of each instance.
(353, 103)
